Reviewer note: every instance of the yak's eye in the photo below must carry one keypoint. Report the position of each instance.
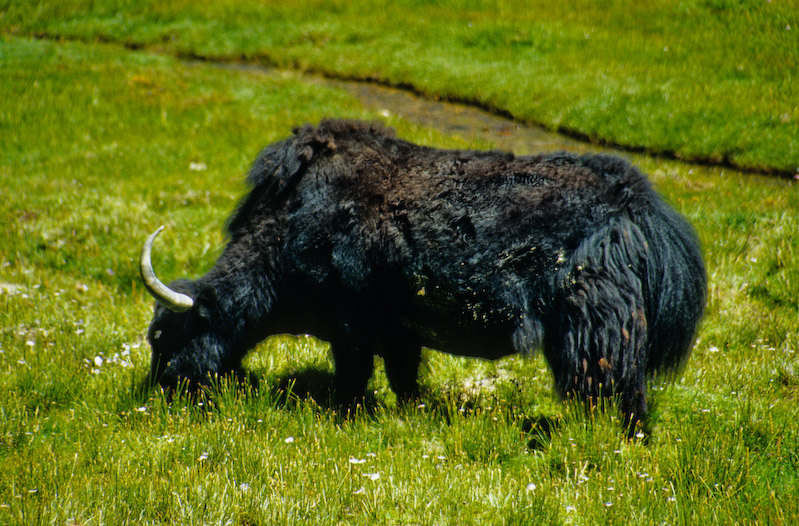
(157, 334)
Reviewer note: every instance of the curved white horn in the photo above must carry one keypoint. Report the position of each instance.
(172, 300)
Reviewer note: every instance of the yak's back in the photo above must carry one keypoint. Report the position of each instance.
(367, 158)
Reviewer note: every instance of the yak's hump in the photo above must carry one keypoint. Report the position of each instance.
(280, 165)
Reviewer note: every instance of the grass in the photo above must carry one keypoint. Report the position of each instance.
(707, 80)
(98, 145)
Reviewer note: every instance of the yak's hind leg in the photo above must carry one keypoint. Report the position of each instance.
(599, 343)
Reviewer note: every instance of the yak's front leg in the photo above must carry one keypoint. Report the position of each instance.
(402, 355)
(354, 364)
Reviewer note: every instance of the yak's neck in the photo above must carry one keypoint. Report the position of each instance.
(245, 293)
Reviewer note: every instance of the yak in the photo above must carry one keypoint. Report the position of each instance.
(381, 246)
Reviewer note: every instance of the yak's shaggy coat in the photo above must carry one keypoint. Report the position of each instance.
(381, 246)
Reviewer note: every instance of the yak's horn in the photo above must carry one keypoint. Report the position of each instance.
(172, 300)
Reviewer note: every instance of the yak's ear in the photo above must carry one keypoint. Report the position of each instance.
(206, 302)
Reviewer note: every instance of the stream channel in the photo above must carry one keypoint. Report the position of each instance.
(451, 118)
(462, 120)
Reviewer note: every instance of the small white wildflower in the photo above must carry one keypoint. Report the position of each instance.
(244, 487)
(608, 504)
(30, 343)
(360, 491)
(98, 361)
(9, 288)
(531, 486)
(441, 457)
(354, 460)
(198, 167)
(371, 454)
(571, 508)
(289, 440)
(713, 349)
(425, 456)
(639, 435)
(420, 406)
(202, 457)
(372, 476)
(672, 499)
(78, 331)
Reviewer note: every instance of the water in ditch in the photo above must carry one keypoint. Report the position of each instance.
(462, 120)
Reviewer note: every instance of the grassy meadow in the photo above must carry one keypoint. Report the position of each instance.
(101, 143)
(708, 80)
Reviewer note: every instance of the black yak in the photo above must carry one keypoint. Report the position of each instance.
(381, 246)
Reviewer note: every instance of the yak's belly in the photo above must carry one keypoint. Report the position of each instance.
(481, 344)
(464, 328)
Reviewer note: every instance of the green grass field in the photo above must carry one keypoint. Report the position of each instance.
(700, 79)
(99, 144)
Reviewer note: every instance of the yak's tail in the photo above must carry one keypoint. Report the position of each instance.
(676, 286)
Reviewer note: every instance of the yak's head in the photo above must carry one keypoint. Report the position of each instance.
(183, 347)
